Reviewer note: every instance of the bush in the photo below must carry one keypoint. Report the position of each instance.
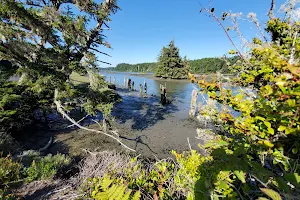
(46, 167)
(8, 145)
(10, 171)
(257, 153)
(17, 104)
(6, 195)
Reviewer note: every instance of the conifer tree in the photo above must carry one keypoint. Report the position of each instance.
(47, 40)
(170, 64)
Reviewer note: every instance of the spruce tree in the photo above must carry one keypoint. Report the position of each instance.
(170, 64)
(47, 40)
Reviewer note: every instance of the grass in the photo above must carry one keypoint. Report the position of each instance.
(77, 78)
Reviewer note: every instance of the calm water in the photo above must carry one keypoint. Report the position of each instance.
(178, 92)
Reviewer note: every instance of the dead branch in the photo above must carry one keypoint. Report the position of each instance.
(226, 32)
(78, 121)
(47, 145)
(271, 11)
(60, 109)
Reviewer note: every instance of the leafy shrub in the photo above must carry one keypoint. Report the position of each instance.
(9, 170)
(6, 195)
(257, 154)
(7, 144)
(46, 167)
(105, 189)
(154, 179)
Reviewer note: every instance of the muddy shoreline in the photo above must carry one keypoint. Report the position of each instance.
(143, 124)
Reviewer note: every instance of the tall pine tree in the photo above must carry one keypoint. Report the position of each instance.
(170, 64)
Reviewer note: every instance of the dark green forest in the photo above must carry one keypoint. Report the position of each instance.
(198, 66)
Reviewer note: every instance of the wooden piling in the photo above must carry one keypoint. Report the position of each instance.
(193, 106)
(141, 89)
(163, 94)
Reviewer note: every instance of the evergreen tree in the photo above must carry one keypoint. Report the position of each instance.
(170, 64)
(47, 40)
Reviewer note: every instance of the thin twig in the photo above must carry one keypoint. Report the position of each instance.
(226, 32)
(271, 11)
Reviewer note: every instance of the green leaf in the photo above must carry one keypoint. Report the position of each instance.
(240, 175)
(271, 131)
(294, 178)
(295, 150)
(281, 128)
(271, 193)
(260, 118)
(268, 124)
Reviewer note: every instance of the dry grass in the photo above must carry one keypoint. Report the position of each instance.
(77, 78)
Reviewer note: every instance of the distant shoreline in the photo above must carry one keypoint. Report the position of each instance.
(150, 76)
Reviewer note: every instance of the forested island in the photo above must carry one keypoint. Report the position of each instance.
(69, 131)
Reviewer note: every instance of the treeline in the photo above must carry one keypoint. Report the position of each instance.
(199, 66)
(210, 65)
(140, 67)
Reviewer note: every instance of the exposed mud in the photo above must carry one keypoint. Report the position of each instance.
(145, 125)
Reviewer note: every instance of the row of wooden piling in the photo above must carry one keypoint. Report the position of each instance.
(130, 84)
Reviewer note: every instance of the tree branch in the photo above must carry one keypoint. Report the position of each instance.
(60, 109)
(103, 62)
(271, 11)
(100, 52)
(226, 32)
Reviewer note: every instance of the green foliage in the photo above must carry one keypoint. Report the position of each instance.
(154, 179)
(7, 195)
(259, 149)
(16, 104)
(46, 167)
(140, 67)
(211, 65)
(6, 70)
(105, 189)
(46, 42)
(198, 66)
(170, 64)
(9, 170)
(8, 145)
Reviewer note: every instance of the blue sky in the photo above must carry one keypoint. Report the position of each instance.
(142, 27)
